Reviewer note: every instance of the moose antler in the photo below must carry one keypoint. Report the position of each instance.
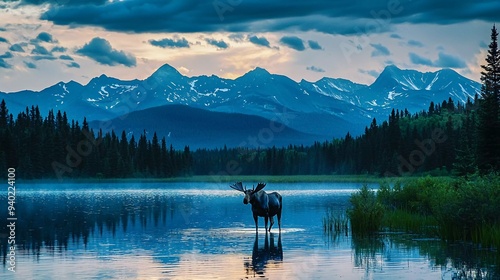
(259, 187)
(238, 186)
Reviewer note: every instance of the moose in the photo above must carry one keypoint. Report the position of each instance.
(264, 204)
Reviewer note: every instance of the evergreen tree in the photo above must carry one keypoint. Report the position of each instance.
(489, 123)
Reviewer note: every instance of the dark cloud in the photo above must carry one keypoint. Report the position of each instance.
(100, 50)
(43, 57)
(333, 17)
(260, 41)
(417, 59)
(7, 55)
(395, 36)
(219, 44)
(170, 43)
(40, 50)
(372, 73)
(59, 49)
(30, 65)
(315, 69)
(443, 61)
(2, 29)
(45, 37)
(483, 45)
(3, 40)
(63, 2)
(73, 65)
(65, 57)
(314, 45)
(16, 48)
(449, 61)
(237, 37)
(415, 43)
(4, 64)
(380, 50)
(293, 42)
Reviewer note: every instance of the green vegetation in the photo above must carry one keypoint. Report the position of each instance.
(366, 213)
(451, 209)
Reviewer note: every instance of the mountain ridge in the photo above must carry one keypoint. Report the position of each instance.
(329, 107)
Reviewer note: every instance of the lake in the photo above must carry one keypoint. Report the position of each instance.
(204, 231)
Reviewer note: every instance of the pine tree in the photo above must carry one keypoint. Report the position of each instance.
(489, 122)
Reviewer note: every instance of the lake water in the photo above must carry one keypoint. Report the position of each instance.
(204, 231)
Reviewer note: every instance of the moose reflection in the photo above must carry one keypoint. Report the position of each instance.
(262, 256)
(264, 204)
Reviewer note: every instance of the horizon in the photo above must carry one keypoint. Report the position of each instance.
(195, 76)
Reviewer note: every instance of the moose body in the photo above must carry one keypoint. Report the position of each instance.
(266, 205)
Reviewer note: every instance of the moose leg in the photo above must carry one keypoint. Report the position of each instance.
(279, 219)
(266, 220)
(272, 223)
(256, 219)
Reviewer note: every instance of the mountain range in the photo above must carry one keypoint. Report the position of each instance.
(188, 109)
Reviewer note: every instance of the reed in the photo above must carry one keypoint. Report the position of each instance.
(366, 212)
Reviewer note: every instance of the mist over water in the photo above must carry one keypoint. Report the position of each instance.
(204, 231)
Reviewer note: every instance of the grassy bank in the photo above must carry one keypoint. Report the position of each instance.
(453, 209)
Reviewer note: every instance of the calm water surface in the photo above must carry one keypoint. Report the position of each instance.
(204, 231)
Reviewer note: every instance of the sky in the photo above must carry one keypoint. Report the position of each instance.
(43, 42)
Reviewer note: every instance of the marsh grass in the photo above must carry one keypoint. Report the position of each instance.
(335, 222)
(398, 220)
(366, 212)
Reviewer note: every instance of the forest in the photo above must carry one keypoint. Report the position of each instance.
(442, 140)
(450, 138)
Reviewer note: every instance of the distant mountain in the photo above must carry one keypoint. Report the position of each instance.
(328, 107)
(183, 125)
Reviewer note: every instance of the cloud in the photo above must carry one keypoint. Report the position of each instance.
(59, 49)
(40, 50)
(315, 69)
(395, 36)
(100, 50)
(63, 2)
(7, 55)
(449, 61)
(3, 40)
(73, 65)
(380, 50)
(415, 43)
(219, 44)
(30, 65)
(372, 73)
(43, 57)
(65, 57)
(443, 61)
(326, 16)
(237, 37)
(483, 45)
(4, 64)
(16, 48)
(420, 60)
(45, 37)
(259, 41)
(293, 42)
(314, 45)
(170, 43)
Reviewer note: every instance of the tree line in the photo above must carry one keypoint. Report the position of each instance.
(448, 138)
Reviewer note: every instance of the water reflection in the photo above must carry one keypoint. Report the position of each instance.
(269, 254)
(199, 234)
